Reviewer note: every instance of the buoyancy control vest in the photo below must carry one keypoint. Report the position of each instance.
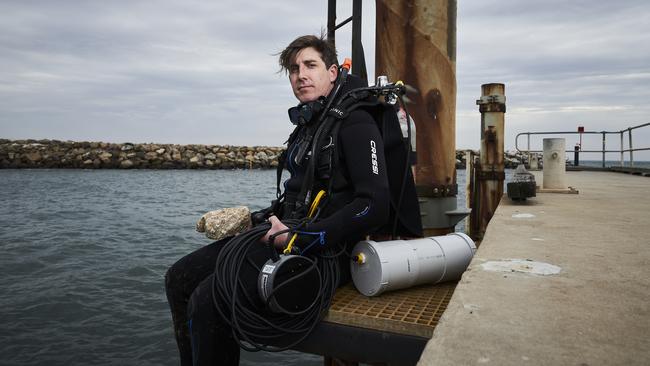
(313, 154)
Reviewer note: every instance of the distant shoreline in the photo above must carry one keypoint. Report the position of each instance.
(30, 154)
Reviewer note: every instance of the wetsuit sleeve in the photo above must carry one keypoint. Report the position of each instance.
(363, 159)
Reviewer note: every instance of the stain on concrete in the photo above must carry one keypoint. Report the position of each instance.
(523, 216)
(523, 266)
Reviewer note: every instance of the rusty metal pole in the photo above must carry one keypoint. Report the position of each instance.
(470, 189)
(416, 43)
(490, 172)
(604, 138)
(629, 132)
(622, 147)
(331, 21)
(358, 58)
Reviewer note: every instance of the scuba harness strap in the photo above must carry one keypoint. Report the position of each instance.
(328, 130)
(282, 159)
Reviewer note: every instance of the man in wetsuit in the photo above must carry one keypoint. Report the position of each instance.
(358, 204)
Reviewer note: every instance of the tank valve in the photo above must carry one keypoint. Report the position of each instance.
(359, 258)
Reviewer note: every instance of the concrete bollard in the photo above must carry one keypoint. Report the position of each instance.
(554, 164)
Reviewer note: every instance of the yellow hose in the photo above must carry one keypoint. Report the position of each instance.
(314, 204)
(310, 213)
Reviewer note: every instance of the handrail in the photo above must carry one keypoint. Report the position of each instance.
(578, 149)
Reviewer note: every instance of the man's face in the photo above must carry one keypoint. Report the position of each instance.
(309, 76)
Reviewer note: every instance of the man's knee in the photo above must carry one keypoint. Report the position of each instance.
(173, 279)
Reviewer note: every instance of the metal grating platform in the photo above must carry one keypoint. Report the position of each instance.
(414, 312)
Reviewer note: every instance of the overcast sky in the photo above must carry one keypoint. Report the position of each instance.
(172, 71)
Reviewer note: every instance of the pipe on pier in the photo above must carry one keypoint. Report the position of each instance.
(489, 173)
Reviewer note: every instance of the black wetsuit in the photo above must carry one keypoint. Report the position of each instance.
(359, 204)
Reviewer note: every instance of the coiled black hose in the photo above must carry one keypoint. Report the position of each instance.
(257, 328)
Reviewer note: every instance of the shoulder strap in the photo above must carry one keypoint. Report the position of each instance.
(306, 190)
(282, 159)
(331, 124)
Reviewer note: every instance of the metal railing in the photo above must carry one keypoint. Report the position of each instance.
(604, 150)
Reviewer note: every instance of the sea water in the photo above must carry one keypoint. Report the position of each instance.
(83, 254)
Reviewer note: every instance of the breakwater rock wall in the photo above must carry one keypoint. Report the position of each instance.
(103, 155)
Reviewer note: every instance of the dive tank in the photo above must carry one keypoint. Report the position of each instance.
(404, 126)
(391, 265)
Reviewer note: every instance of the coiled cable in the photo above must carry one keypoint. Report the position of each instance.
(255, 327)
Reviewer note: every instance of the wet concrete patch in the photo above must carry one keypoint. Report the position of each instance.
(523, 216)
(523, 266)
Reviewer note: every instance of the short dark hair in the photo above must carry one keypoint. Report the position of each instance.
(325, 48)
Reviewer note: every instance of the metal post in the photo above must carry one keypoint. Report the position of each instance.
(629, 132)
(470, 189)
(622, 158)
(416, 43)
(490, 173)
(331, 21)
(603, 149)
(358, 59)
(528, 150)
(581, 140)
(576, 155)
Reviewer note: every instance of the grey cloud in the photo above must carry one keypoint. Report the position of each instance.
(205, 71)
(563, 63)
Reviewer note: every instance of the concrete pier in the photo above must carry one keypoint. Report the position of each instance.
(594, 311)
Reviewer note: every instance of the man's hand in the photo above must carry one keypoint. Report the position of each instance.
(276, 225)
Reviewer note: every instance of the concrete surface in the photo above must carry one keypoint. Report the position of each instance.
(595, 311)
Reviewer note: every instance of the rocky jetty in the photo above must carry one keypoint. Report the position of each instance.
(103, 155)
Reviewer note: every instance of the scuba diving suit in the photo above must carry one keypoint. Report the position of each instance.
(358, 200)
(354, 210)
(350, 166)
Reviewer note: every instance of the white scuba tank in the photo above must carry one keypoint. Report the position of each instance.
(401, 115)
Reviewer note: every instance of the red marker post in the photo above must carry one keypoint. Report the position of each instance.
(578, 147)
(581, 129)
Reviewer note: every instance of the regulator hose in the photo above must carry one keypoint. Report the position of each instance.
(259, 329)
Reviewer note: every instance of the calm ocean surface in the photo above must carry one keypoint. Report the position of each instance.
(84, 254)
